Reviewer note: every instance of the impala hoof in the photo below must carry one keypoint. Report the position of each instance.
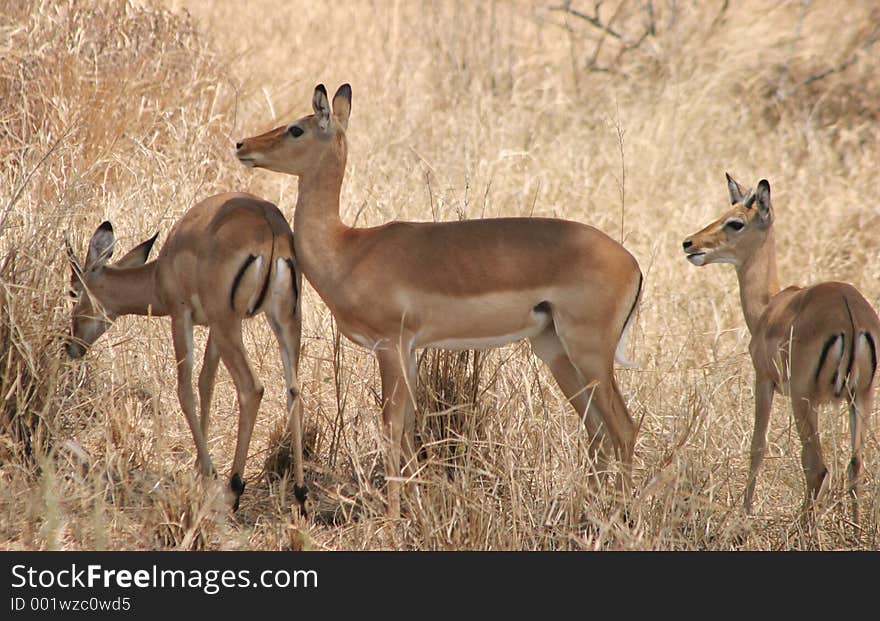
(301, 493)
(237, 487)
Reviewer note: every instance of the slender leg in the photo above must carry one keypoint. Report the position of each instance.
(250, 393)
(594, 361)
(206, 382)
(763, 404)
(181, 333)
(287, 330)
(394, 398)
(549, 349)
(859, 408)
(806, 419)
(408, 439)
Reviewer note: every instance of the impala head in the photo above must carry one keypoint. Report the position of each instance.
(297, 148)
(93, 312)
(738, 233)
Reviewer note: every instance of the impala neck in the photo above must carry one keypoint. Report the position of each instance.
(758, 281)
(316, 220)
(132, 291)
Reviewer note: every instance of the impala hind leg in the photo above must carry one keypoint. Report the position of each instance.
(250, 393)
(594, 360)
(395, 396)
(181, 334)
(763, 403)
(206, 382)
(287, 330)
(806, 417)
(550, 350)
(859, 408)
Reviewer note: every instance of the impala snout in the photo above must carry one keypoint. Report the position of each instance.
(244, 156)
(694, 256)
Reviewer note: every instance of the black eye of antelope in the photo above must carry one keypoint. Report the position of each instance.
(734, 225)
(296, 131)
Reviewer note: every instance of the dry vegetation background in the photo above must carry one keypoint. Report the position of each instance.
(128, 111)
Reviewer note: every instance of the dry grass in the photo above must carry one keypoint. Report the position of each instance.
(123, 111)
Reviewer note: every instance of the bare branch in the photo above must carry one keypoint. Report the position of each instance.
(591, 19)
(846, 64)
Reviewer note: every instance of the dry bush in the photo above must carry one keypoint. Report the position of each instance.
(128, 111)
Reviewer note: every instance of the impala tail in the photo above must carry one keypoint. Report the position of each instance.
(621, 343)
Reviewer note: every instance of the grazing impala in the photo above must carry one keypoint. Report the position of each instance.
(567, 287)
(815, 344)
(229, 258)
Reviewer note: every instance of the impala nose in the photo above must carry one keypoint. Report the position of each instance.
(687, 244)
(238, 145)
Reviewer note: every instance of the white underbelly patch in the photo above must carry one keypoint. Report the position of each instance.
(539, 320)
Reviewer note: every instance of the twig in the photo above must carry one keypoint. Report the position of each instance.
(23, 185)
(591, 19)
(845, 64)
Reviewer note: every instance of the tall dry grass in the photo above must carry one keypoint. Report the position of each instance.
(127, 111)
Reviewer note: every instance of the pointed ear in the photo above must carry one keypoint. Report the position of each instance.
(342, 105)
(75, 268)
(138, 255)
(737, 193)
(100, 246)
(321, 106)
(762, 199)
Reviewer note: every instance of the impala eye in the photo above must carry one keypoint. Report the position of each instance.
(296, 131)
(734, 225)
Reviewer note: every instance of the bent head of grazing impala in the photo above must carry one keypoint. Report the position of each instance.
(98, 304)
(473, 284)
(815, 344)
(228, 258)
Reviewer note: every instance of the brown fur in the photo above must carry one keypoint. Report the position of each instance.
(477, 283)
(216, 269)
(815, 344)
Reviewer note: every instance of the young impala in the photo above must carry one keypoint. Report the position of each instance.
(228, 258)
(567, 287)
(815, 344)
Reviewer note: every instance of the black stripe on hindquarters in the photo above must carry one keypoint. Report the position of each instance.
(263, 290)
(292, 267)
(873, 347)
(635, 303)
(825, 349)
(237, 280)
(268, 275)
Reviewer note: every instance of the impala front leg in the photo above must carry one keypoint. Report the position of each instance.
(395, 395)
(763, 403)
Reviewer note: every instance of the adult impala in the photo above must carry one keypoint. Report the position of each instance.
(816, 344)
(228, 258)
(567, 287)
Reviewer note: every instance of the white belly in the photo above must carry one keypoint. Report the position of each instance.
(492, 321)
(488, 342)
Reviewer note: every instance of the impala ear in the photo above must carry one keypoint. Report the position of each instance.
(138, 255)
(737, 192)
(321, 106)
(100, 246)
(762, 199)
(342, 105)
